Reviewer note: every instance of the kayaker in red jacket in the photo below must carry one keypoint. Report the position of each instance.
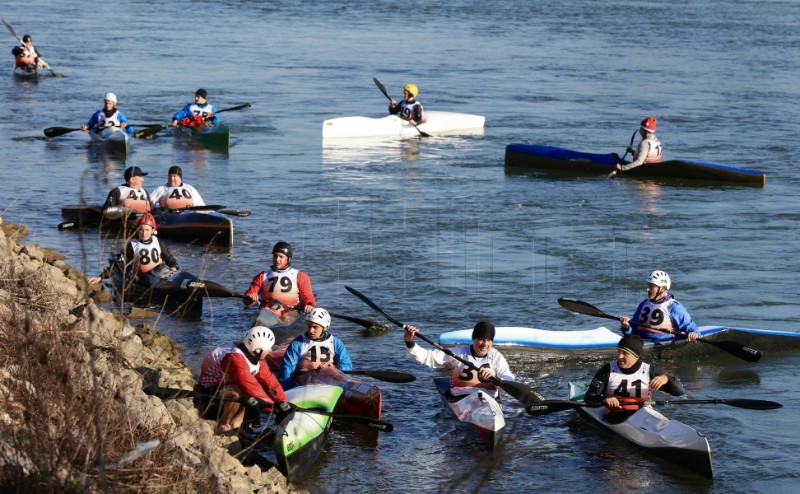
(649, 150)
(236, 371)
(624, 385)
(283, 284)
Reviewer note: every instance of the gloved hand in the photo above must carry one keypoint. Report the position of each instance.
(282, 410)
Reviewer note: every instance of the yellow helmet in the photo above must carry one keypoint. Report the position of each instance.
(412, 89)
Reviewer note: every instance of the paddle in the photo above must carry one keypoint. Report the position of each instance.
(734, 348)
(547, 407)
(362, 322)
(59, 131)
(518, 390)
(388, 376)
(633, 137)
(242, 213)
(14, 33)
(170, 393)
(153, 129)
(383, 90)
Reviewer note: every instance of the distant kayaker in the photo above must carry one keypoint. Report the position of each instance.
(624, 384)
(109, 116)
(144, 257)
(235, 371)
(661, 312)
(649, 150)
(131, 194)
(314, 349)
(26, 56)
(175, 193)
(409, 109)
(281, 285)
(200, 113)
(480, 353)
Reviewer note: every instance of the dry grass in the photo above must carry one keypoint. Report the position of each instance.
(60, 431)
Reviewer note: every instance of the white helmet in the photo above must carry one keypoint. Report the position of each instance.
(111, 97)
(319, 316)
(259, 340)
(659, 278)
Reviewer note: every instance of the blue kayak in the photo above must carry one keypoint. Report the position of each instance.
(525, 157)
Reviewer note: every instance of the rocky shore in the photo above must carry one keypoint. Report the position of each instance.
(74, 415)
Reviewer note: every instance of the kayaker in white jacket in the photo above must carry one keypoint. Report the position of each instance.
(649, 150)
(175, 193)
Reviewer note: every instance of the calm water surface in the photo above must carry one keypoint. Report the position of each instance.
(436, 230)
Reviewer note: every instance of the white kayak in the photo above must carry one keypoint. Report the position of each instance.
(113, 139)
(650, 430)
(478, 413)
(438, 122)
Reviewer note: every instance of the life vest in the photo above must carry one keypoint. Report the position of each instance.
(656, 315)
(147, 254)
(464, 376)
(280, 285)
(135, 199)
(211, 372)
(630, 389)
(654, 154)
(104, 122)
(407, 110)
(315, 353)
(177, 197)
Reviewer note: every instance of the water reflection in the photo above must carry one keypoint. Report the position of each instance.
(649, 192)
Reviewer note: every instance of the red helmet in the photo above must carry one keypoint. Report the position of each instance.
(148, 219)
(649, 124)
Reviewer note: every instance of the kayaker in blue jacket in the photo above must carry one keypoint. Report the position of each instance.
(315, 349)
(649, 150)
(624, 385)
(109, 116)
(664, 315)
(409, 109)
(200, 112)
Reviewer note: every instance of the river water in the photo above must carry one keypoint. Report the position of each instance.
(435, 230)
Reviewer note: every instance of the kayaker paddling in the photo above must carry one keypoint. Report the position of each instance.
(409, 108)
(26, 56)
(649, 149)
(107, 117)
(624, 385)
(131, 194)
(200, 113)
(663, 315)
(175, 193)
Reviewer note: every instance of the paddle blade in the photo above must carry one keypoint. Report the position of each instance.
(737, 349)
(388, 376)
(212, 289)
(149, 131)
(552, 406)
(361, 322)
(753, 404)
(235, 212)
(240, 107)
(581, 307)
(380, 86)
(522, 393)
(378, 309)
(58, 131)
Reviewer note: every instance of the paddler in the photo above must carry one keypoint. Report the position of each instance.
(649, 149)
(409, 109)
(131, 194)
(107, 117)
(200, 113)
(313, 350)
(144, 257)
(660, 311)
(281, 285)
(624, 385)
(175, 193)
(26, 56)
(234, 372)
(480, 353)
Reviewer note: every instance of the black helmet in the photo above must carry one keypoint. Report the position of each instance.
(283, 248)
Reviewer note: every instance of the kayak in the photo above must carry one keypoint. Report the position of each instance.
(650, 430)
(601, 343)
(112, 139)
(523, 157)
(438, 122)
(299, 439)
(285, 326)
(359, 398)
(184, 225)
(218, 136)
(180, 292)
(478, 413)
(28, 75)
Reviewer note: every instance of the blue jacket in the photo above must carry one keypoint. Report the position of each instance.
(186, 113)
(681, 322)
(92, 123)
(291, 358)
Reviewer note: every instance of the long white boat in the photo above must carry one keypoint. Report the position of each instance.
(650, 430)
(478, 413)
(438, 122)
(113, 139)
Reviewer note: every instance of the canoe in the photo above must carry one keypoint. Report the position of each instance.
(648, 429)
(184, 225)
(478, 413)
(28, 75)
(181, 293)
(112, 139)
(359, 398)
(284, 327)
(438, 122)
(218, 136)
(299, 439)
(600, 343)
(524, 157)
